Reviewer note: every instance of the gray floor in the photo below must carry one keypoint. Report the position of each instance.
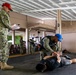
(25, 65)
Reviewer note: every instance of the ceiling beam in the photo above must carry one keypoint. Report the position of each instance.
(20, 4)
(40, 13)
(70, 2)
(44, 3)
(51, 14)
(61, 8)
(33, 6)
(36, 4)
(66, 10)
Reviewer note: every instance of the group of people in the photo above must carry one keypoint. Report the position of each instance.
(48, 43)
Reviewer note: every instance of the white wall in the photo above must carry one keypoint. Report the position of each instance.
(69, 42)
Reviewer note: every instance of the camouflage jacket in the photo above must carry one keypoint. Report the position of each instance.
(48, 44)
(4, 21)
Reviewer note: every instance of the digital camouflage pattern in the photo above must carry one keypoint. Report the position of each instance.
(49, 47)
(4, 26)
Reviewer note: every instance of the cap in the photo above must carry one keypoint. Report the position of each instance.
(59, 36)
(7, 5)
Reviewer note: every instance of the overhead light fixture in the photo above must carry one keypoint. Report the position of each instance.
(70, 2)
(15, 26)
(74, 11)
(48, 18)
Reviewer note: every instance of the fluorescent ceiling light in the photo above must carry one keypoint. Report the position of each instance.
(48, 18)
(71, 2)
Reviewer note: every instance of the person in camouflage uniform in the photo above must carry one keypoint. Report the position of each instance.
(21, 45)
(4, 27)
(49, 44)
(31, 46)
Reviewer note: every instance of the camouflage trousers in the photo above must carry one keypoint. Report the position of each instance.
(4, 51)
(21, 49)
(31, 48)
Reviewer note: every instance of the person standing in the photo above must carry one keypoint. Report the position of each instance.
(4, 27)
(31, 46)
(21, 45)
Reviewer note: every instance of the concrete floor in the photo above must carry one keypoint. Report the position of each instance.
(25, 65)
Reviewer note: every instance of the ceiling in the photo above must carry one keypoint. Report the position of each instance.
(44, 9)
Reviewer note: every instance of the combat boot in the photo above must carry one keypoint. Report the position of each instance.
(4, 66)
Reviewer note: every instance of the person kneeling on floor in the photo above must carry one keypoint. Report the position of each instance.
(49, 63)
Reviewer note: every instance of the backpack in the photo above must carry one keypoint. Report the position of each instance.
(51, 43)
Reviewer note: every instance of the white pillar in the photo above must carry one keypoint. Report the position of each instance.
(59, 24)
(43, 34)
(58, 21)
(27, 39)
(24, 36)
(13, 37)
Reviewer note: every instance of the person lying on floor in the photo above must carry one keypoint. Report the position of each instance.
(49, 63)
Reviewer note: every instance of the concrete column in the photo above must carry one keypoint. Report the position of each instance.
(27, 39)
(59, 24)
(24, 36)
(13, 37)
(43, 34)
(58, 21)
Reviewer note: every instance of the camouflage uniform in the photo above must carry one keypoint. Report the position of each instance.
(4, 26)
(21, 45)
(48, 45)
(31, 46)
